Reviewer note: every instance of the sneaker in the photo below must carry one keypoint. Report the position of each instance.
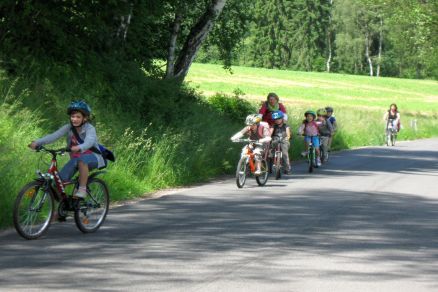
(80, 193)
(318, 161)
(258, 172)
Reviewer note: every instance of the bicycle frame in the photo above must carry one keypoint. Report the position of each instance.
(311, 155)
(247, 151)
(278, 151)
(53, 175)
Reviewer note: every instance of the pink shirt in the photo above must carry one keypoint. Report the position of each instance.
(311, 129)
(74, 142)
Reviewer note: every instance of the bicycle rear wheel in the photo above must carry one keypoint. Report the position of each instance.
(92, 210)
(263, 177)
(241, 172)
(33, 210)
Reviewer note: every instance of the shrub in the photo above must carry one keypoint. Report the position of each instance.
(232, 106)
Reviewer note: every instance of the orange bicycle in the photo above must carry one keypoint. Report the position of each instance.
(246, 165)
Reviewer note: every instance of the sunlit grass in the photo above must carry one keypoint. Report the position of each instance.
(319, 89)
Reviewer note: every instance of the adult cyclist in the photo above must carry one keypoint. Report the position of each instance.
(392, 116)
(271, 105)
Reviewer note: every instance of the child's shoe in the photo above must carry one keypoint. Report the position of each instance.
(81, 193)
(318, 161)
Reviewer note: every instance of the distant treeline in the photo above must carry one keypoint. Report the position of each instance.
(396, 38)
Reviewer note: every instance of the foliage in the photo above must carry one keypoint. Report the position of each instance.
(234, 107)
(295, 35)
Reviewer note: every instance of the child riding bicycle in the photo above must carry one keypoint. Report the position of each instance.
(309, 129)
(82, 141)
(331, 118)
(281, 134)
(325, 130)
(257, 131)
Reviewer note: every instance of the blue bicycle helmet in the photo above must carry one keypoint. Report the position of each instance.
(80, 106)
(277, 115)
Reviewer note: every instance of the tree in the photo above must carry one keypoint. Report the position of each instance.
(193, 41)
(330, 33)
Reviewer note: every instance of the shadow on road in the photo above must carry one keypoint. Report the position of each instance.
(183, 229)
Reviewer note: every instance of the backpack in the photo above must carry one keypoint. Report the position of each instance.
(105, 152)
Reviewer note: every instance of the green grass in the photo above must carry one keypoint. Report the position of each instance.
(319, 89)
(162, 135)
(359, 101)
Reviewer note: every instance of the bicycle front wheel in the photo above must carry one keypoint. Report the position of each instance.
(277, 165)
(241, 172)
(263, 177)
(311, 160)
(92, 210)
(33, 210)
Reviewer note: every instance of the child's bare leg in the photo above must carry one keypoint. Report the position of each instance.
(83, 179)
(83, 173)
(317, 152)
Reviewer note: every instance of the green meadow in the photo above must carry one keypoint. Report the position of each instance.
(359, 101)
(317, 89)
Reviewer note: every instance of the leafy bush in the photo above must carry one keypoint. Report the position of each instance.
(232, 106)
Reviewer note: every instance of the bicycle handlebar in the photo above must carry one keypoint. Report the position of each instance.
(53, 151)
(245, 140)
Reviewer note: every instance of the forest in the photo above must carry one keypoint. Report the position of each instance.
(396, 38)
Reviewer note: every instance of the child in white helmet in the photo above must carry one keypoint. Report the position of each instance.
(256, 130)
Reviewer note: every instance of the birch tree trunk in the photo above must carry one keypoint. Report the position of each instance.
(379, 58)
(125, 20)
(367, 52)
(172, 45)
(329, 38)
(194, 40)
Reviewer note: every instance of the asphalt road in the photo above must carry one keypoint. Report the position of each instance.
(367, 221)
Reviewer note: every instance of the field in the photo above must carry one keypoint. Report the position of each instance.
(314, 89)
(359, 101)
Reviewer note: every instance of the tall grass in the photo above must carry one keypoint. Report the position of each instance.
(162, 137)
(16, 127)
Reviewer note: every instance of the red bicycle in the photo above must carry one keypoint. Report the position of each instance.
(34, 207)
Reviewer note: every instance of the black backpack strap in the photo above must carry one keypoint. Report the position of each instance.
(75, 132)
